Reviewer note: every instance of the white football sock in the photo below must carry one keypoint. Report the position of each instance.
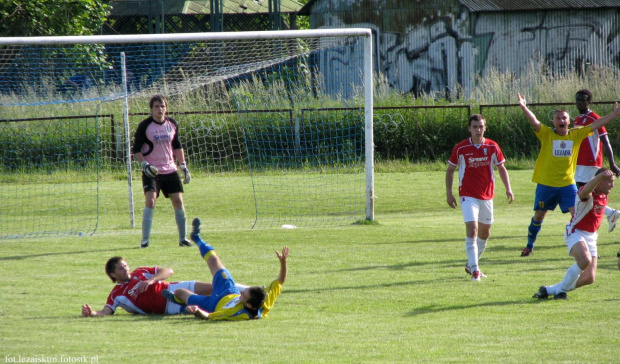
(471, 248)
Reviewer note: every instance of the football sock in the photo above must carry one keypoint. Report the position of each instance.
(570, 278)
(482, 245)
(608, 211)
(532, 233)
(206, 250)
(179, 216)
(471, 248)
(147, 222)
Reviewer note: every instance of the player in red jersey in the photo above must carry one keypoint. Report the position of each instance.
(580, 235)
(475, 158)
(156, 146)
(590, 157)
(139, 291)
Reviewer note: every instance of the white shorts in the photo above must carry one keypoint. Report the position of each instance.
(474, 209)
(587, 237)
(583, 174)
(175, 308)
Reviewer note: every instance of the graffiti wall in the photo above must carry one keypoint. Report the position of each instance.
(435, 47)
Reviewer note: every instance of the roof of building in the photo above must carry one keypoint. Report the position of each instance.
(133, 7)
(476, 6)
(511, 5)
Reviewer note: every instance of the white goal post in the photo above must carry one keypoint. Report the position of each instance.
(190, 73)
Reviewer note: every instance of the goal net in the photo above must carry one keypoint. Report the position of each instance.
(276, 127)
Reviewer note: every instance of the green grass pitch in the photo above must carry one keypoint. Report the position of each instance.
(391, 292)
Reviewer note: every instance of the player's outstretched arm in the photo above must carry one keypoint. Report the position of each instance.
(449, 180)
(87, 311)
(610, 155)
(503, 174)
(528, 113)
(606, 119)
(283, 265)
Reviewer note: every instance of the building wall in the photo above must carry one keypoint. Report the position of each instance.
(434, 46)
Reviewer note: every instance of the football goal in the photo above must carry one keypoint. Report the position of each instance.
(276, 127)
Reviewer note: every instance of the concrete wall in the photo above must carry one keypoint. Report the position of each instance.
(424, 46)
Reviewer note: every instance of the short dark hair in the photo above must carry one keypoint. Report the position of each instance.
(586, 92)
(110, 266)
(158, 97)
(257, 297)
(475, 117)
(601, 170)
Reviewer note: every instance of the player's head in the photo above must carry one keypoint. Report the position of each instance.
(159, 107)
(476, 117)
(158, 98)
(606, 184)
(583, 98)
(116, 268)
(253, 297)
(561, 121)
(476, 126)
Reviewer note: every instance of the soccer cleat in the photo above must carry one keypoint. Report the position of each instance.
(560, 296)
(468, 271)
(527, 252)
(613, 219)
(195, 234)
(169, 295)
(541, 294)
(185, 242)
(475, 275)
(144, 244)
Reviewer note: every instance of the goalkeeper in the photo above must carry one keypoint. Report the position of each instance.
(156, 146)
(228, 301)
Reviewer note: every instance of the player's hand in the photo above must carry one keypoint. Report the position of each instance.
(451, 201)
(149, 170)
(614, 168)
(196, 311)
(510, 196)
(186, 176)
(522, 102)
(282, 256)
(143, 285)
(87, 311)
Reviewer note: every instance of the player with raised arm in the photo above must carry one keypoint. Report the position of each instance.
(227, 302)
(590, 158)
(139, 291)
(156, 146)
(581, 235)
(555, 166)
(475, 158)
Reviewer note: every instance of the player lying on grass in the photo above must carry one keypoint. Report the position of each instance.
(228, 302)
(139, 291)
(580, 235)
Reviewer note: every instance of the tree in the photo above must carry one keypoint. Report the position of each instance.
(51, 17)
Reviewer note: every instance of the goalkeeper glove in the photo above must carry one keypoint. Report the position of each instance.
(149, 170)
(186, 176)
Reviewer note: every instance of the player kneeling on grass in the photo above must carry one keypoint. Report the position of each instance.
(139, 291)
(228, 302)
(580, 235)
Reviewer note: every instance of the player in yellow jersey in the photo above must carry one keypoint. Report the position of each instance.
(229, 301)
(555, 166)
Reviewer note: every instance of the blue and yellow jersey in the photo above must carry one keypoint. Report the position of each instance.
(557, 159)
(229, 308)
(273, 291)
